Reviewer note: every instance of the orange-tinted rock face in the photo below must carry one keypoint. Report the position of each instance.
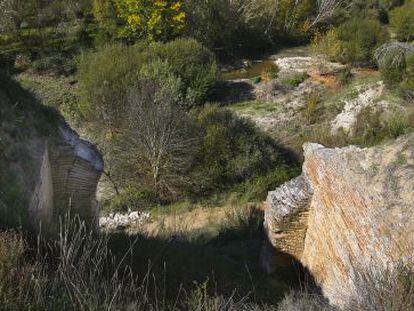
(356, 209)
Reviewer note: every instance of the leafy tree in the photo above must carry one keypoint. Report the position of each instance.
(249, 24)
(158, 142)
(193, 63)
(105, 78)
(154, 20)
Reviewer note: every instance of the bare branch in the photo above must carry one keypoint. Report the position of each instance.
(326, 9)
(394, 52)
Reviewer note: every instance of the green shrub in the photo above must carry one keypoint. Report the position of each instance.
(256, 80)
(399, 74)
(359, 39)
(374, 126)
(311, 107)
(106, 76)
(406, 87)
(194, 64)
(397, 124)
(345, 76)
(353, 41)
(402, 22)
(132, 198)
(296, 79)
(232, 150)
(392, 73)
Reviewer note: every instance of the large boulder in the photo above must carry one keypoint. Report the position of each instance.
(351, 209)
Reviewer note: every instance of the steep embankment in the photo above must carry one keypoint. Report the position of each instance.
(45, 168)
(351, 211)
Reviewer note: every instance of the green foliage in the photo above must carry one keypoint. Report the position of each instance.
(392, 72)
(132, 197)
(230, 26)
(105, 14)
(256, 80)
(194, 64)
(295, 79)
(154, 20)
(345, 76)
(402, 22)
(359, 39)
(398, 124)
(407, 84)
(57, 63)
(311, 107)
(353, 42)
(232, 150)
(399, 74)
(256, 189)
(106, 77)
(374, 126)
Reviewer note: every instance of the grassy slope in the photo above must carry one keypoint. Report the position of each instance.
(313, 122)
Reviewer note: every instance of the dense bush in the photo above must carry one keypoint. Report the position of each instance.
(296, 79)
(345, 76)
(234, 27)
(407, 84)
(402, 21)
(399, 74)
(170, 155)
(353, 42)
(232, 150)
(194, 64)
(106, 76)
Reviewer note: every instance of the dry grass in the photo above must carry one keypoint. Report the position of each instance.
(201, 223)
(330, 81)
(78, 271)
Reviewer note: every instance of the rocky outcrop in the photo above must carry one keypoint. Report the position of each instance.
(118, 221)
(291, 65)
(67, 179)
(370, 97)
(352, 208)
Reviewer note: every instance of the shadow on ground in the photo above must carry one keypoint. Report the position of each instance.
(229, 262)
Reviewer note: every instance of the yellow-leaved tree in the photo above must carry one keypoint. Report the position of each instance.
(154, 20)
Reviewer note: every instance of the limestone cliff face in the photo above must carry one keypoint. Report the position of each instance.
(351, 208)
(67, 180)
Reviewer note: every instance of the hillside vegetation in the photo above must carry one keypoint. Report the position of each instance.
(199, 108)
